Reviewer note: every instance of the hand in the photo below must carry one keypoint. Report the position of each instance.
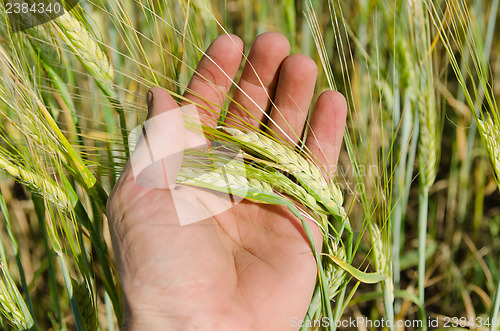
(249, 268)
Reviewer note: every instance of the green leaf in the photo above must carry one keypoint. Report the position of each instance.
(369, 278)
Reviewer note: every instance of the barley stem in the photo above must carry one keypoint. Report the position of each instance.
(422, 236)
(495, 309)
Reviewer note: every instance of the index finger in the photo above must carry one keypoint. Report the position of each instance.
(214, 76)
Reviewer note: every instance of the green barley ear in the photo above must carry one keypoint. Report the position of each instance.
(429, 136)
(247, 178)
(88, 51)
(12, 304)
(238, 178)
(9, 309)
(490, 132)
(37, 183)
(304, 170)
(335, 276)
(222, 181)
(429, 147)
(85, 305)
(381, 251)
(333, 272)
(76, 36)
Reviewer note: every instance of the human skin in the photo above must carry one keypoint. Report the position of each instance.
(251, 267)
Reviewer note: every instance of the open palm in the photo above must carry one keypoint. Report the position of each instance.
(250, 267)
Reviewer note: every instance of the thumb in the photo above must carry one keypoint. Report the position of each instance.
(157, 157)
(159, 102)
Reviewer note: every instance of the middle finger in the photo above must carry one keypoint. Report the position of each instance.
(294, 93)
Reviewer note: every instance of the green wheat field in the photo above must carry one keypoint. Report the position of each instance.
(416, 188)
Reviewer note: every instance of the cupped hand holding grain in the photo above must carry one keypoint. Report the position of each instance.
(251, 267)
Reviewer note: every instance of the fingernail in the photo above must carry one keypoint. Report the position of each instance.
(150, 100)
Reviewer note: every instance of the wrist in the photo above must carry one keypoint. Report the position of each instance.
(148, 319)
(138, 317)
(135, 321)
